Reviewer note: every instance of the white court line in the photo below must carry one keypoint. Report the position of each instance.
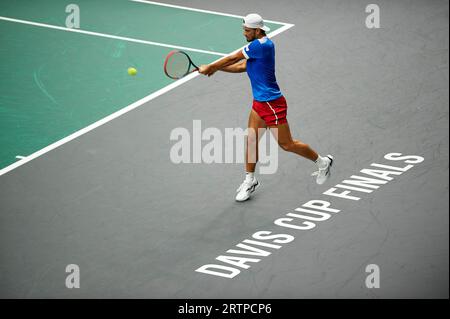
(20, 157)
(201, 10)
(110, 36)
(118, 113)
(97, 124)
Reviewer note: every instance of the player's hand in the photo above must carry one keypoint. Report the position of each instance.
(206, 70)
(202, 69)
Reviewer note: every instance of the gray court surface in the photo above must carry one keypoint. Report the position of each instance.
(138, 226)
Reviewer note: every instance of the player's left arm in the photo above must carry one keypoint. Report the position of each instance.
(210, 69)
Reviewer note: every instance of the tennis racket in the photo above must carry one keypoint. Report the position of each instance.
(178, 64)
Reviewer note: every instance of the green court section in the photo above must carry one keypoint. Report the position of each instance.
(53, 83)
(139, 20)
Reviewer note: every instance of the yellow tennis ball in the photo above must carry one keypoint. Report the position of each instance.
(132, 71)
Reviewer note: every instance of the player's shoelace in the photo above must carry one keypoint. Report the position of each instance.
(324, 170)
(248, 184)
(317, 172)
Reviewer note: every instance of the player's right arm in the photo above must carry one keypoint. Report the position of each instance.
(238, 67)
(252, 50)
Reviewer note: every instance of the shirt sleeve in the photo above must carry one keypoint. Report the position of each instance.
(252, 50)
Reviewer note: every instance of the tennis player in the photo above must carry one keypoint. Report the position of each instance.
(269, 105)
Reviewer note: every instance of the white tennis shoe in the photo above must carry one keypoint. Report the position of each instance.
(246, 188)
(324, 173)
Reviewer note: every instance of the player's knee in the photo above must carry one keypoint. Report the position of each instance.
(303, 146)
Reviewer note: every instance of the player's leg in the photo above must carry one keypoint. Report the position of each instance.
(255, 127)
(282, 134)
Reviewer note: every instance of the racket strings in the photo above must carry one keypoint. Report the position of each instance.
(177, 65)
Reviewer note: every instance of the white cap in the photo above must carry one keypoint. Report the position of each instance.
(254, 21)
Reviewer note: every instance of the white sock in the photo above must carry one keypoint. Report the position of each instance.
(321, 162)
(249, 176)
